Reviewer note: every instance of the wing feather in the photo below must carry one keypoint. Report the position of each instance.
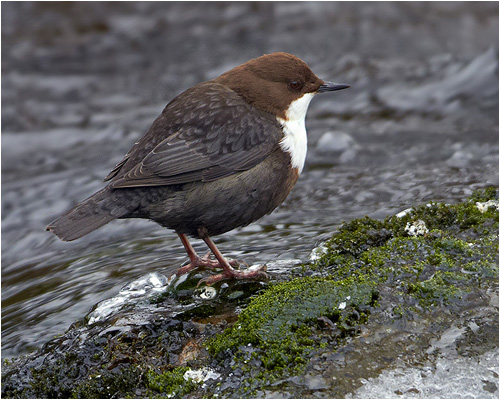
(181, 147)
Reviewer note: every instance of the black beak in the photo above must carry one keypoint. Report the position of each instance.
(331, 86)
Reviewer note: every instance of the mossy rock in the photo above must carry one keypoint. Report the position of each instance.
(280, 331)
(279, 328)
(372, 275)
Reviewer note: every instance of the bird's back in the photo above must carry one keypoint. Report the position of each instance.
(197, 160)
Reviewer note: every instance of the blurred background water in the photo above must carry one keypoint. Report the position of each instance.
(82, 81)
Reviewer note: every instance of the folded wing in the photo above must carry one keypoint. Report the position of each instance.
(204, 134)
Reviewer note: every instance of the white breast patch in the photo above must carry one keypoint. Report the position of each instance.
(295, 140)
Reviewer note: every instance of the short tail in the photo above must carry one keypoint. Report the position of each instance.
(85, 217)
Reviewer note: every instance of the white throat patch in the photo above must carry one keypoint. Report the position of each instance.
(295, 140)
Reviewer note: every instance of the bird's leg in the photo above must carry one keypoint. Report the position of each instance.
(230, 272)
(195, 261)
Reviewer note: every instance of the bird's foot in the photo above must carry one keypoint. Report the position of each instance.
(257, 273)
(205, 262)
(220, 262)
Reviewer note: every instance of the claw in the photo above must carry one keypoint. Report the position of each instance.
(219, 263)
(255, 273)
(205, 262)
(210, 280)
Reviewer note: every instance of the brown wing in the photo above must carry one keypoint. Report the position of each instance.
(206, 133)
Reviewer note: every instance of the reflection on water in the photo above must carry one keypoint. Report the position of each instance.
(85, 80)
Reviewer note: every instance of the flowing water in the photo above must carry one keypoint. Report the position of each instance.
(83, 81)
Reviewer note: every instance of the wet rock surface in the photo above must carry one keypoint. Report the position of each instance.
(380, 311)
(123, 346)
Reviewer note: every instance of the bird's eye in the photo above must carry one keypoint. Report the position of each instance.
(295, 85)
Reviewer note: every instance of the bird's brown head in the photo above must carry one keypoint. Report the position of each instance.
(273, 81)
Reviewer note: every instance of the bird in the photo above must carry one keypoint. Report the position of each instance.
(221, 155)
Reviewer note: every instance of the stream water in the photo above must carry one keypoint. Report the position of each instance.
(83, 81)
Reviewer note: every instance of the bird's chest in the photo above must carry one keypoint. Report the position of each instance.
(265, 186)
(242, 198)
(294, 140)
(280, 177)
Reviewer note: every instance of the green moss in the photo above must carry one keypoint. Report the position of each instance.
(289, 323)
(170, 383)
(356, 236)
(278, 330)
(442, 286)
(431, 270)
(456, 217)
(460, 250)
(108, 384)
(266, 321)
(483, 195)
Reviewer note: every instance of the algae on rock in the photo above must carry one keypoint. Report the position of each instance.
(381, 293)
(445, 267)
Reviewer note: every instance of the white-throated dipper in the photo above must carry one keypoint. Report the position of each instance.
(221, 155)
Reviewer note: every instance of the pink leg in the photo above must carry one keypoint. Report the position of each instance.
(196, 261)
(228, 271)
